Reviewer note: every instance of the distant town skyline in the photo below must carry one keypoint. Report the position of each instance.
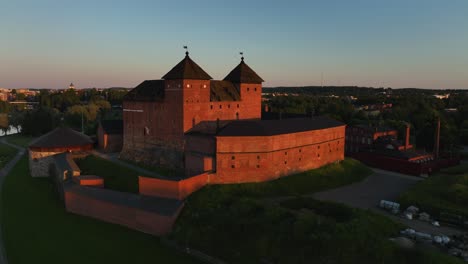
(422, 44)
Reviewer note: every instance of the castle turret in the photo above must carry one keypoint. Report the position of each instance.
(250, 88)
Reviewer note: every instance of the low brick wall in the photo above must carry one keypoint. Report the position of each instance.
(129, 210)
(174, 189)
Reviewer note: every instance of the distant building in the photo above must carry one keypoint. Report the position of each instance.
(442, 96)
(360, 137)
(3, 96)
(71, 86)
(379, 147)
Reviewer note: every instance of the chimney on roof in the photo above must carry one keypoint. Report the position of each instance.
(437, 139)
(407, 137)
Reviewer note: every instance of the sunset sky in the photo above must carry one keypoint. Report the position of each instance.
(397, 43)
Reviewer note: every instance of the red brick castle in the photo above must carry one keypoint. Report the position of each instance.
(214, 129)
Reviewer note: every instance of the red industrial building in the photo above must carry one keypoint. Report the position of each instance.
(379, 147)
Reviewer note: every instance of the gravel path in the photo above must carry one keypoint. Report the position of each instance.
(3, 172)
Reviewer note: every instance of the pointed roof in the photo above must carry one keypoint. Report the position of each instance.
(187, 69)
(243, 74)
(61, 137)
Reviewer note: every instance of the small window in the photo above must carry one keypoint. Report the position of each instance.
(300, 150)
(318, 147)
(258, 157)
(248, 89)
(258, 166)
(285, 162)
(318, 155)
(232, 166)
(211, 106)
(233, 157)
(285, 153)
(237, 105)
(220, 106)
(229, 106)
(300, 159)
(255, 89)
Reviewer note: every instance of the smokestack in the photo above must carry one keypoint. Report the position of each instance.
(407, 138)
(437, 140)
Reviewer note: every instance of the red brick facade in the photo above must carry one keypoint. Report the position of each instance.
(256, 159)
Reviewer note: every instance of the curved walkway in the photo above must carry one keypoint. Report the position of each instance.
(3, 173)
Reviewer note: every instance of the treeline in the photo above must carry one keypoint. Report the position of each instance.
(80, 110)
(420, 110)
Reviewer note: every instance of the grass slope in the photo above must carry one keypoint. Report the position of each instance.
(116, 177)
(37, 229)
(445, 192)
(243, 223)
(327, 177)
(6, 154)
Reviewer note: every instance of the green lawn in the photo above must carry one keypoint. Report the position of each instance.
(446, 191)
(116, 177)
(6, 154)
(327, 177)
(19, 139)
(37, 229)
(158, 170)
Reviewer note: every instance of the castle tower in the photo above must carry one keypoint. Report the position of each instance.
(250, 88)
(187, 87)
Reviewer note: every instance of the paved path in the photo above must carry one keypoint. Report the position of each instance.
(3, 172)
(382, 185)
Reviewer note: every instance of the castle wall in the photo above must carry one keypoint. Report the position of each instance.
(173, 189)
(39, 163)
(256, 159)
(134, 218)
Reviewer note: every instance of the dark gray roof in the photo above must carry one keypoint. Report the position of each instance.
(162, 206)
(61, 137)
(223, 91)
(149, 90)
(187, 69)
(277, 127)
(112, 126)
(243, 74)
(209, 128)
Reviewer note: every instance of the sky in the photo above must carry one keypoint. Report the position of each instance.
(104, 43)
